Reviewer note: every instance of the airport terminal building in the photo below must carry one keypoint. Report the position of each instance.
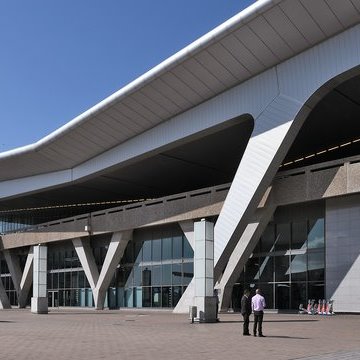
(253, 127)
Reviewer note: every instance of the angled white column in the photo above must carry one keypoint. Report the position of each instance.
(39, 301)
(21, 280)
(113, 256)
(13, 263)
(187, 298)
(26, 279)
(87, 260)
(273, 134)
(4, 300)
(100, 282)
(241, 253)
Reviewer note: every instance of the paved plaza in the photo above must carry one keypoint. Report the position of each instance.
(135, 334)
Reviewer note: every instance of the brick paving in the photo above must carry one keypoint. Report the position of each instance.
(146, 334)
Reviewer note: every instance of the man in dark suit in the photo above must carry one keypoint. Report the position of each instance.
(246, 311)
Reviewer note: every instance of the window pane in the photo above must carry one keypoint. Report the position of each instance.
(156, 244)
(129, 254)
(252, 270)
(316, 291)
(138, 251)
(188, 250)
(188, 269)
(315, 266)
(282, 268)
(176, 274)
(177, 292)
(146, 297)
(177, 247)
(166, 274)
(156, 296)
(166, 248)
(156, 275)
(298, 267)
(298, 295)
(282, 296)
(146, 251)
(137, 275)
(268, 239)
(299, 235)
(316, 234)
(146, 276)
(166, 297)
(282, 241)
(266, 270)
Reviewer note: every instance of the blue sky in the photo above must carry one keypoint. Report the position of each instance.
(59, 58)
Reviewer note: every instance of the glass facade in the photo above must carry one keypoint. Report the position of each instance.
(155, 270)
(288, 263)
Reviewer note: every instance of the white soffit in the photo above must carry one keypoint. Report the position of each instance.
(261, 36)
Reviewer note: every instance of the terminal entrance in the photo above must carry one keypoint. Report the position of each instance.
(53, 298)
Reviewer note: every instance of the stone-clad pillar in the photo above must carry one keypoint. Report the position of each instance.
(39, 301)
(204, 271)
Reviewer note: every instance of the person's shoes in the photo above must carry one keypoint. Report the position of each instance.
(254, 334)
(261, 335)
(247, 334)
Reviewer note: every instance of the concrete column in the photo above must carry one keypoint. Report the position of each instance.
(100, 282)
(39, 301)
(13, 263)
(187, 298)
(274, 131)
(241, 254)
(21, 280)
(204, 270)
(26, 279)
(4, 300)
(87, 260)
(113, 256)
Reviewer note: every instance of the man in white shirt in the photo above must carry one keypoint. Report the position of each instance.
(258, 305)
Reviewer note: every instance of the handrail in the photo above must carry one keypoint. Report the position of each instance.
(169, 198)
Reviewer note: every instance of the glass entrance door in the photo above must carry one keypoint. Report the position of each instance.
(53, 298)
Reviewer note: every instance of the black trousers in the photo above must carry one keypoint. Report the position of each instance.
(258, 319)
(246, 323)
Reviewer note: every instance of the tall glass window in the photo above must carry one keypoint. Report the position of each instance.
(288, 263)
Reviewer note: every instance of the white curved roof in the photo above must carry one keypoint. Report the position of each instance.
(259, 37)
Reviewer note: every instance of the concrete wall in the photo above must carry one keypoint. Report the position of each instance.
(342, 231)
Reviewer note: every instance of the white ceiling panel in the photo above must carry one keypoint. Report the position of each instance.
(325, 18)
(192, 96)
(167, 91)
(282, 25)
(356, 3)
(94, 138)
(151, 104)
(208, 78)
(157, 97)
(242, 54)
(97, 129)
(195, 83)
(133, 110)
(302, 20)
(345, 11)
(221, 54)
(214, 67)
(141, 110)
(114, 125)
(261, 27)
(256, 46)
(126, 117)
